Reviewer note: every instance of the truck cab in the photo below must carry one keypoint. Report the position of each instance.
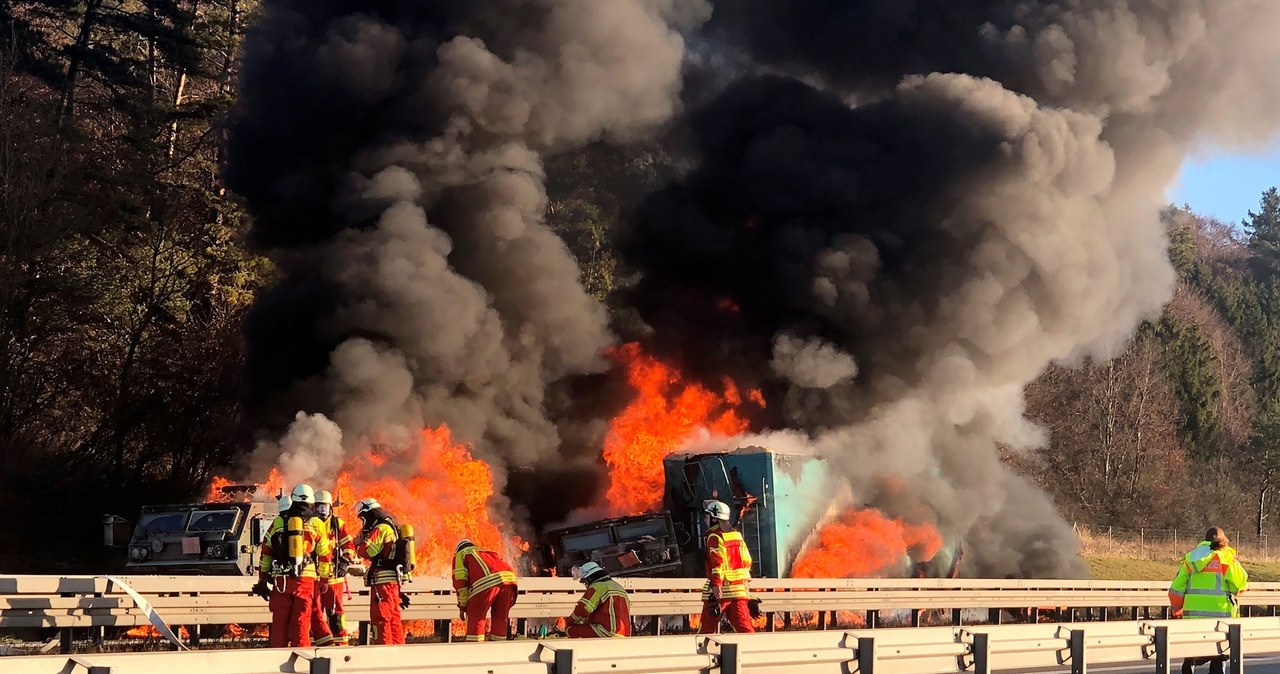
(643, 545)
(215, 538)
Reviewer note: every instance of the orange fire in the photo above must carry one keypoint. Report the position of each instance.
(147, 631)
(435, 485)
(665, 413)
(864, 543)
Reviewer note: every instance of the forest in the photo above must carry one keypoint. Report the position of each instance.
(128, 276)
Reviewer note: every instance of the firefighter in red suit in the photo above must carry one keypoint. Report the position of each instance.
(604, 609)
(377, 543)
(289, 584)
(728, 570)
(331, 586)
(486, 587)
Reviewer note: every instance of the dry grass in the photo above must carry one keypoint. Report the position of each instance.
(1159, 549)
(1112, 568)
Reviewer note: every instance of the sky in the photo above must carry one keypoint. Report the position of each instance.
(1226, 186)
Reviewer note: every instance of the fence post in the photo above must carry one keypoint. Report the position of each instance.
(1175, 541)
(1142, 542)
(1110, 542)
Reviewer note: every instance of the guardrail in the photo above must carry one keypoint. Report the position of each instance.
(69, 602)
(906, 651)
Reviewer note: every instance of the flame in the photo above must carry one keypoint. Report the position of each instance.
(235, 631)
(435, 485)
(865, 543)
(148, 631)
(665, 413)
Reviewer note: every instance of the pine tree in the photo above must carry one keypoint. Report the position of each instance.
(1263, 228)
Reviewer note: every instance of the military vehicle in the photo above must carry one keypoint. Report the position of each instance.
(777, 501)
(216, 538)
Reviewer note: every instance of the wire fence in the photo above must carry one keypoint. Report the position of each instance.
(1164, 544)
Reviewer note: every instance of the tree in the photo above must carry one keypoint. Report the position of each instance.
(1263, 229)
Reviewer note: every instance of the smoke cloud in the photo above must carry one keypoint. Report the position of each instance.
(392, 156)
(917, 207)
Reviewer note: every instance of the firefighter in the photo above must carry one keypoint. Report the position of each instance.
(1206, 586)
(486, 586)
(378, 542)
(728, 570)
(604, 610)
(289, 579)
(332, 584)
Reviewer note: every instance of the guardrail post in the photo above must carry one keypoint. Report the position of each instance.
(564, 663)
(1235, 642)
(982, 653)
(1078, 665)
(321, 666)
(957, 617)
(364, 633)
(915, 617)
(64, 640)
(822, 620)
(1162, 650)
(768, 623)
(993, 616)
(522, 626)
(194, 632)
(728, 658)
(866, 655)
(873, 619)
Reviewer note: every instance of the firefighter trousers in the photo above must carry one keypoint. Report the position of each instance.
(290, 604)
(735, 610)
(331, 610)
(384, 614)
(496, 603)
(587, 631)
(321, 633)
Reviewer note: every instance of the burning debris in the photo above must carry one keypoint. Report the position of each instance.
(892, 221)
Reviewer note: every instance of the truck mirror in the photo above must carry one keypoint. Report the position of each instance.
(258, 530)
(115, 531)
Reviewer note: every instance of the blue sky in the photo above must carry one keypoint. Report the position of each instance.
(1226, 186)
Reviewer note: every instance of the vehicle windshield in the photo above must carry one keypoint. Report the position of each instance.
(654, 527)
(162, 523)
(213, 520)
(589, 540)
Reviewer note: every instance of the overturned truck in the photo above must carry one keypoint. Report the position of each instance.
(777, 500)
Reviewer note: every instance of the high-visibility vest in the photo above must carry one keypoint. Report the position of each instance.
(606, 608)
(476, 570)
(339, 542)
(315, 544)
(380, 544)
(1207, 582)
(728, 564)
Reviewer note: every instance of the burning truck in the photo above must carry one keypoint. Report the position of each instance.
(778, 502)
(215, 538)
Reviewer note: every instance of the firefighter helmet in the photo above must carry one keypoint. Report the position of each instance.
(587, 570)
(716, 510)
(366, 505)
(324, 496)
(303, 493)
(464, 543)
(284, 502)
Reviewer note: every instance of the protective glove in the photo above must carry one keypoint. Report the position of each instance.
(404, 601)
(714, 609)
(753, 607)
(462, 613)
(261, 589)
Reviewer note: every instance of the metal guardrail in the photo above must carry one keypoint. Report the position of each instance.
(1073, 646)
(94, 601)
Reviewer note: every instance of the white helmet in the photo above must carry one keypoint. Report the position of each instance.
(324, 496)
(284, 502)
(464, 543)
(367, 504)
(716, 510)
(587, 570)
(303, 493)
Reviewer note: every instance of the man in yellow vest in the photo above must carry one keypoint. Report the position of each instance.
(290, 582)
(726, 591)
(332, 583)
(1206, 587)
(604, 610)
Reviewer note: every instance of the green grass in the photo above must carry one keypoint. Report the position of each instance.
(1110, 568)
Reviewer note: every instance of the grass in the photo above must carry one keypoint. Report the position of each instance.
(1114, 568)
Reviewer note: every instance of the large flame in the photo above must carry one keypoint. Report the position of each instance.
(665, 414)
(436, 486)
(862, 543)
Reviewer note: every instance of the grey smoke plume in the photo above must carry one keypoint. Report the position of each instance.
(987, 205)
(392, 156)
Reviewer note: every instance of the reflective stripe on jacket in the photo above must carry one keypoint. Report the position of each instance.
(339, 542)
(1207, 583)
(379, 544)
(606, 608)
(728, 564)
(476, 570)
